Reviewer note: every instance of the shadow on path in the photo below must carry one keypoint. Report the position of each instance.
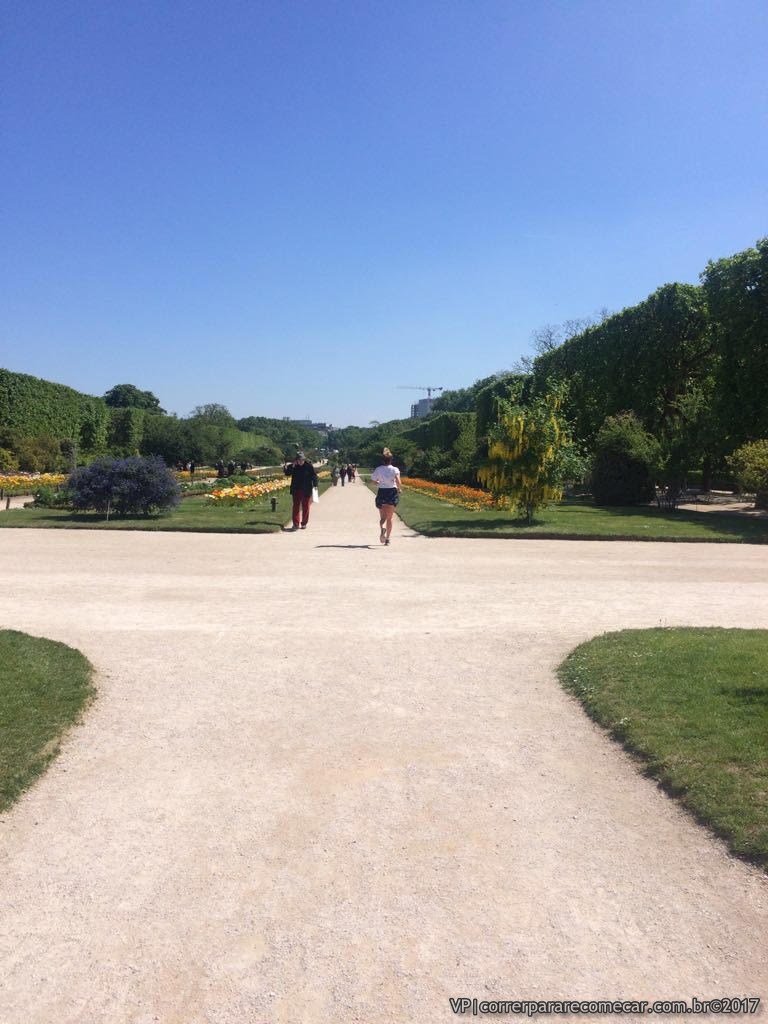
(365, 547)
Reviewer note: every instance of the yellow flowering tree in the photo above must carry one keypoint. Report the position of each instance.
(530, 453)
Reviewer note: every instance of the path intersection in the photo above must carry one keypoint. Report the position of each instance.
(326, 780)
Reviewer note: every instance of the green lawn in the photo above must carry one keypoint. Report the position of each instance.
(194, 515)
(579, 519)
(44, 687)
(693, 705)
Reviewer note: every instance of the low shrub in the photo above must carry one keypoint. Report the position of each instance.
(750, 467)
(8, 461)
(623, 462)
(127, 486)
(206, 486)
(51, 497)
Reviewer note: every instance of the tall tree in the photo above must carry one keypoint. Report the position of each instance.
(737, 294)
(128, 396)
(215, 413)
(528, 451)
(641, 359)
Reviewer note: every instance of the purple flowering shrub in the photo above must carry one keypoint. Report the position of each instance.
(127, 486)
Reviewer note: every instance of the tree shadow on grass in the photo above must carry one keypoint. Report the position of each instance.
(97, 518)
(752, 696)
(715, 522)
(734, 528)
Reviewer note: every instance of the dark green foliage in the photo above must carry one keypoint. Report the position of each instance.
(33, 408)
(645, 358)
(126, 430)
(737, 294)
(750, 467)
(623, 463)
(40, 454)
(124, 486)
(128, 396)
(464, 399)
(214, 413)
(286, 435)
(68, 449)
(442, 430)
(445, 447)
(52, 497)
(8, 461)
(166, 437)
(510, 387)
(37, 417)
(265, 455)
(364, 445)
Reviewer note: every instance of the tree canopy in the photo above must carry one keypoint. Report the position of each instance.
(128, 396)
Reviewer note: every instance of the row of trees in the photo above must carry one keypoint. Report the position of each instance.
(669, 391)
(47, 427)
(691, 362)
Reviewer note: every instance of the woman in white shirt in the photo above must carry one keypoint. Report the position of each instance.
(387, 477)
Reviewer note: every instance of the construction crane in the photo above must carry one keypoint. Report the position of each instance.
(416, 387)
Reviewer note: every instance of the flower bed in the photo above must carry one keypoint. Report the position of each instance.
(248, 492)
(18, 483)
(456, 494)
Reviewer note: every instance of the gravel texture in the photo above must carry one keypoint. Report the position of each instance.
(326, 780)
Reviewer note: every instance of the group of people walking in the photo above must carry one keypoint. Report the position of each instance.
(343, 473)
(304, 482)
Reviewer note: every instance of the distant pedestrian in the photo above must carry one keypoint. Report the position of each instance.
(335, 476)
(191, 469)
(303, 480)
(343, 474)
(387, 477)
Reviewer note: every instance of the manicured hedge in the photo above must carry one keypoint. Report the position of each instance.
(31, 407)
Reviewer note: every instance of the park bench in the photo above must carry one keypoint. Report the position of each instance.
(667, 497)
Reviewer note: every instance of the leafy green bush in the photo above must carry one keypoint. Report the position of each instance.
(52, 497)
(750, 467)
(8, 461)
(124, 486)
(206, 486)
(623, 462)
(529, 450)
(36, 454)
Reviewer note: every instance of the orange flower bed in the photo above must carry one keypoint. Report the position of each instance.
(22, 483)
(247, 492)
(456, 494)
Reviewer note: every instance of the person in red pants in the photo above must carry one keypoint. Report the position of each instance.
(303, 479)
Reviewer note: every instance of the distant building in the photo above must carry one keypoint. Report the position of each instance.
(322, 428)
(421, 408)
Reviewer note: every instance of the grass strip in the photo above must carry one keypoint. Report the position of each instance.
(193, 515)
(692, 704)
(196, 514)
(44, 686)
(579, 520)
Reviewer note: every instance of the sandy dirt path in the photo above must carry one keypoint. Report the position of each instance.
(330, 781)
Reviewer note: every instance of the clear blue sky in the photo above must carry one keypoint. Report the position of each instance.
(291, 207)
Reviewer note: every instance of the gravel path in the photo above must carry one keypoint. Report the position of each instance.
(329, 781)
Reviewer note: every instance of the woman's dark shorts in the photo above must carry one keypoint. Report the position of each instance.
(387, 496)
